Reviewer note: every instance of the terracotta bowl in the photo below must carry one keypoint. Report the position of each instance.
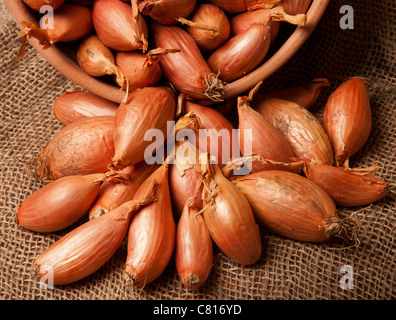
(62, 56)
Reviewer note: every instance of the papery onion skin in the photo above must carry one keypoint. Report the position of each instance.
(241, 22)
(289, 204)
(98, 60)
(142, 70)
(146, 108)
(305, 134)
(237, 6)
(112, 195)
(138, 74)
(242, 53)
(59, 203)
(75, 105)
(346, 188)
(229, 218)
(266, 140)
(213, 17)
(296, 6)
(166, 11)
(347, 119)
(65, 29)
(216, 128)
(184, 175)
(37, 4)
(83, 147)
(88, 247)
(152, 234)
(117, 28)
(305, 95)
(271, 17)
(187, 70)
(194, 248)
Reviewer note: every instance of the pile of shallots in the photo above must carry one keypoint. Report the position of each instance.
(197, 46)
(100, 169)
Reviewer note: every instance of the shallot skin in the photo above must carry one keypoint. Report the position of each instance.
(229, 218)
(65, 29)
(75, 105)
(152, 234)
(83, 147)
(216, 25)
(242, 53)
(216, 128)
(59, 203)
(187, 70)
(305, 134)
(289, 204)
(117, 28)
(265, 139)
(166, 11)
(346, 188)
(194, 248)
(146, 109)
(347, 119)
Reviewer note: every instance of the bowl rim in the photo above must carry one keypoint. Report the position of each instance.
(71, 70)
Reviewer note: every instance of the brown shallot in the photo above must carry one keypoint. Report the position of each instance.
(305, 134)
(64, 28)
(146, 108)
(87, 248)
(83, 147)
(187, 70)
(166, 11)
(141, 70)
(184, 175)
(243, 21)
(208, 25)
(112, 195)
(75, 105)
(152, 233)
(118, 27)
(228, 215)
(347, 119)
(293, 206)
(61, 203)
(261, 137)
(98, 60)
(346, 187)
(194, 248)
(215, 134)
(242, 53)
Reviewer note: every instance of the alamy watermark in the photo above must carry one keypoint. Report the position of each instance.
(155, 152)
(347, 280)
(347, 21)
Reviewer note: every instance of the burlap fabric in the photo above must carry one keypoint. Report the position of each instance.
(288, 269)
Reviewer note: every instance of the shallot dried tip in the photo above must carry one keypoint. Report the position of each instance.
(345, 229)
(31, 30)
(214, 87)
(240, 162)
(215, 30)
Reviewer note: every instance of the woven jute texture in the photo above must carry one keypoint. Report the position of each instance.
(288, 269)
